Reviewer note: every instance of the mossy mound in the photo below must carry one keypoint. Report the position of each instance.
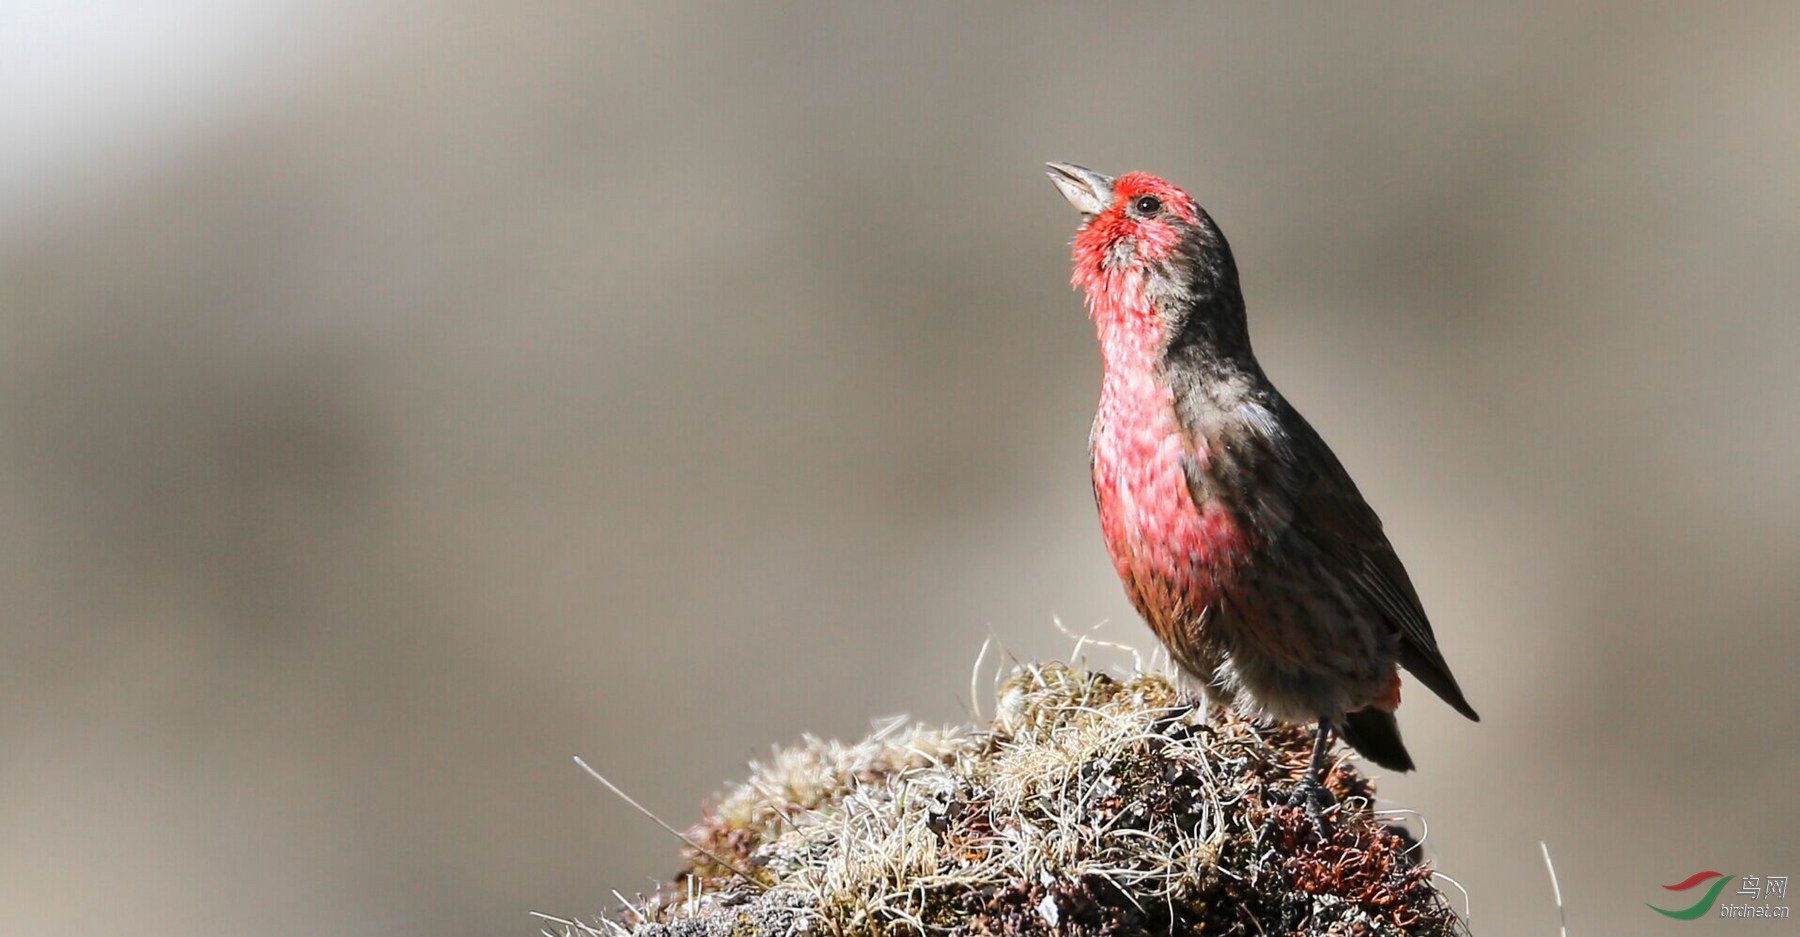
(1089, 805)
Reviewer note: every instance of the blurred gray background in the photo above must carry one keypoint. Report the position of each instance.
(399, 400)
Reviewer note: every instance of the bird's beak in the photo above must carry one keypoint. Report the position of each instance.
(1089, 191)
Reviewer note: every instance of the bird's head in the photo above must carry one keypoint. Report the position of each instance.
(1148, 256)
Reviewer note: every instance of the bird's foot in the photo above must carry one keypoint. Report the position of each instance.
(1310, 791)
(1182, 719)
(1310, 794)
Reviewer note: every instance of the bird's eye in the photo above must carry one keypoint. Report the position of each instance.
(1147, 205)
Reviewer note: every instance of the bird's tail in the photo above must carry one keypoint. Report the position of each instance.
(1376, 735)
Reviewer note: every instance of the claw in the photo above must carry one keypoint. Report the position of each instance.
(1312, 795)
(1309, 790)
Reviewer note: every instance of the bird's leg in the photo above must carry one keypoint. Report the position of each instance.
(1310, 792)
(1171, 718)
(1180, 717)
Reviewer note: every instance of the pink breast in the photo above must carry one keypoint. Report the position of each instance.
(1174, 555)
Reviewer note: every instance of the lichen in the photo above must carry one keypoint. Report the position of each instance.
(1089, 806)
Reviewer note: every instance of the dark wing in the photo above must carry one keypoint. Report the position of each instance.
(1257, 442)
(1330, 512)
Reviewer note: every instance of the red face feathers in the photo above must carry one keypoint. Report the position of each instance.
(1150, 260)
(1145, 223)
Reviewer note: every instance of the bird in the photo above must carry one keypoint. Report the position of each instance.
(1238, 535)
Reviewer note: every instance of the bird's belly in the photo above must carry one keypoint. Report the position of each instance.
(1175, 557)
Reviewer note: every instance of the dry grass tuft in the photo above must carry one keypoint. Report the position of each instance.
(1090, 805)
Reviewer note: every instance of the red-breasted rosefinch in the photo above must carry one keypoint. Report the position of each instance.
(1238, 535)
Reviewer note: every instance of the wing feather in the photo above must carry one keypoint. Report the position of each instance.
(1332, 514)
(1301, 489)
